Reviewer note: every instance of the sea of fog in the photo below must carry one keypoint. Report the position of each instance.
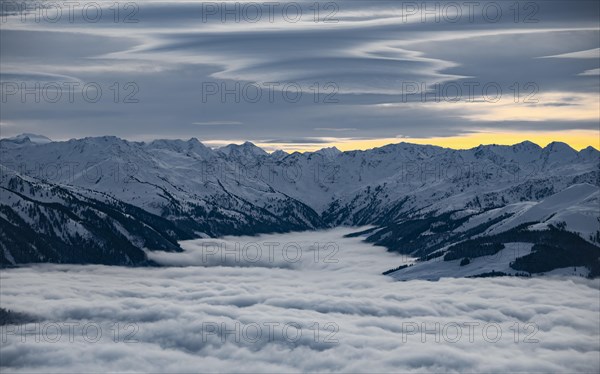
(298, 302)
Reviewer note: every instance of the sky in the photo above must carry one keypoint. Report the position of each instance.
(304, 75)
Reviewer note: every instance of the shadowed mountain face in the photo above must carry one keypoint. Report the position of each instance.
(107, 200)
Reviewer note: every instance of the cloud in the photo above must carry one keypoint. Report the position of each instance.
(360, 61)
(341, 129)
(297, 141)
(590, 53)
(195, 314)
(592, 72)
(218, 123)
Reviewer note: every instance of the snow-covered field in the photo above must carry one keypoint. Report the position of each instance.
(296, 302)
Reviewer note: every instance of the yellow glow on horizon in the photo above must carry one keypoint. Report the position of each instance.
(577, 139)
(551, 106)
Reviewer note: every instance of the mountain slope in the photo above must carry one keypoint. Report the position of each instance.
(420, 198)
(42, 222)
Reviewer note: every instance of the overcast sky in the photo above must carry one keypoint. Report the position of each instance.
(299, 75)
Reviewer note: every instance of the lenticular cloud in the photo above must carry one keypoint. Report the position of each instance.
(307, 302)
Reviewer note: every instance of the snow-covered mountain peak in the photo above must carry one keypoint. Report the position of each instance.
(243, 190)
(590, 153)
(181, 146)
(329, 152)
(590, 149)
(175, 145)
(245, 150)
(526, 146)
(559, 147)
(559, 152)
(33, 138)
(279, 154)
(199, 148)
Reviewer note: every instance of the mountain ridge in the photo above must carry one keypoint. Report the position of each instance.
(524, 143)
(241, 189)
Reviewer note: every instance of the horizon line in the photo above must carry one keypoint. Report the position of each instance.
(343, 146)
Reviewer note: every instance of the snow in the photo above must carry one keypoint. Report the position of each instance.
(33, 138)
(577, 206)
(577, 271)
(244, 183)
(437, 268)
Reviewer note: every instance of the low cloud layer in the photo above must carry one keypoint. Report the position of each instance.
(327, 313)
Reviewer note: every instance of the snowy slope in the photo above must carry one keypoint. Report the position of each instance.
(44, 222)
(33, 138)
(421, 197)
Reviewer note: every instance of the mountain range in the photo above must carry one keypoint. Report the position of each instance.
(107, 200)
